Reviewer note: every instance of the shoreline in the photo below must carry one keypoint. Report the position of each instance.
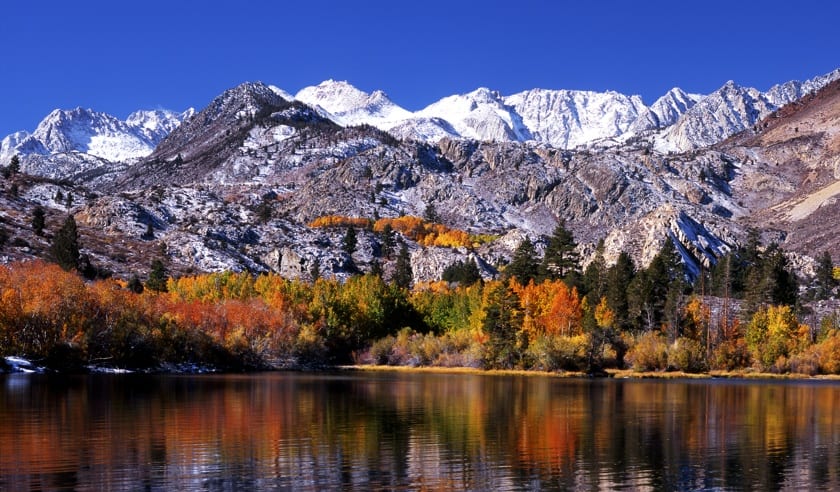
(608, 373)
(17, 365)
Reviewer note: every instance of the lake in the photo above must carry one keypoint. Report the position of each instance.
(410, 431)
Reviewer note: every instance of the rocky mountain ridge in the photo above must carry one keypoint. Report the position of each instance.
(236, 186)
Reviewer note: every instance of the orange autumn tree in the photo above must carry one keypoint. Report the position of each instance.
(41, 306)
(550, 308)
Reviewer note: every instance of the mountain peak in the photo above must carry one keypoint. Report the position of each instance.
(351, 106)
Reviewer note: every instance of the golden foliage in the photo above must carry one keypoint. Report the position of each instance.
(340, 221)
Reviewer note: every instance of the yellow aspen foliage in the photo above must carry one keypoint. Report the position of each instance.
(773, 333)
(340, 221)
(549, 308)
(604, 316)
(696, 318)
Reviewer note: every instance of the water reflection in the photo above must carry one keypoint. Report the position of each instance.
(414, 431)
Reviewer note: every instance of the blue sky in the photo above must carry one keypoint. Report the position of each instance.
(116, 56)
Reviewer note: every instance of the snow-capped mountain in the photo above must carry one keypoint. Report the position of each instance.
(732, 109)
(480, 115)
(567, 119)
(672, 105)
(351, 106)
(677, 121)
(97, 134)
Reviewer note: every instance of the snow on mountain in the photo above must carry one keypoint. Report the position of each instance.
(280, 92)
(726, 111)
(9, 144)
(423, 129)
(732, 109)
(672, 105)
(97, 134)
(567, 119)
(351, 106)
(481, 115)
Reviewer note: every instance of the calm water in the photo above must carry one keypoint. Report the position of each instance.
(414, 431)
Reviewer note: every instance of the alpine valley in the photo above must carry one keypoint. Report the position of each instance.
(238, 184)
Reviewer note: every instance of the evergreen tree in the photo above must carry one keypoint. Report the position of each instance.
(388, 241)
(157, 277)
(135, 285)
(825, 281)
(349, 243)
(38, 220)
(150, 232)
(315, 270)
(524, 266)
(465, 273)
(502, 323)
(430, 214)
(14, 164)
(595, 275)
(619, 277)
(561, 260)
(376, 268)
(65, 246)
(69, 202)
(59, 197)
(402, 270)
(653, 287)
(769, 281)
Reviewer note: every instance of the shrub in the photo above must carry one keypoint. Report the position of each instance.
(807, 362)
(553, 353)
(687, 355)
(730, 354)
(828, 353)
(649, 353)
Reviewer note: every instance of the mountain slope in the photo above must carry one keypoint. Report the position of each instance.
(97, 134)
(567, 119)
(350, 106)
(732, 109)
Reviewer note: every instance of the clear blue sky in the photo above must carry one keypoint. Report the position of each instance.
(116, 56)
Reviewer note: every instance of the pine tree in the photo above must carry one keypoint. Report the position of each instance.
(649, 293)
(769, 281)
(464, 273)
(135, 285)
(157, 277)
(595, 275)
(619, 277)
(430, 214)
(826, 283)
(523, 267)
(38, 220)
(403, 274)
(502, 322)
(376, 268)
(150, 232)
(561, 260)
(65, 245)
(14, 164)
(349, 242)
(388, 241)
(315, 270)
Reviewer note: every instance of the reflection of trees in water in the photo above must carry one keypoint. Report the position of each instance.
(408, 430)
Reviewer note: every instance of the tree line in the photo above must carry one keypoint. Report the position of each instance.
(543, 313)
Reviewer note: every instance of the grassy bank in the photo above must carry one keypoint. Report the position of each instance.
(610, 373)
